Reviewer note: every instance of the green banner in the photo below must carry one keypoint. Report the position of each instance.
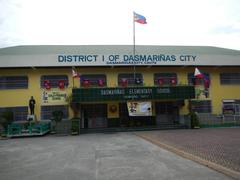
(132, 93)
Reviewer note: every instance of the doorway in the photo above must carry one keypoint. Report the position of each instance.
(166, 113)
(94, 116)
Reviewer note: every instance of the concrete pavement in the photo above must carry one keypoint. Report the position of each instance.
(218, 148)
(117, 156)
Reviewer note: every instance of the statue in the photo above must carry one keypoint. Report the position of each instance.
(32, 103)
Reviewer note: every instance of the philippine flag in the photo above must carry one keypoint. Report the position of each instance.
(139, 18)
(75, 74)
(198, 74)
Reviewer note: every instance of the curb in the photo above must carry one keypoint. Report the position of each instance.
(214, 166)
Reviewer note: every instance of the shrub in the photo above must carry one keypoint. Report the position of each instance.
(194, 119)
(6, 118)
(57, 116)
(75, 126)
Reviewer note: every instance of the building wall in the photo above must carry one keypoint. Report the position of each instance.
(20, 97)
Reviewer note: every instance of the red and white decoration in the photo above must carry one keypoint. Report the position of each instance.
(160, 81)
(75, 74)
(173, 81)
(61, 84)
(124, 82)
(47, 84)
(86, 83)
(198, 74)
(100, 82)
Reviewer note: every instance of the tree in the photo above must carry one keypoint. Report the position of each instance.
(194, 120)
(75, 106)
(6, 118)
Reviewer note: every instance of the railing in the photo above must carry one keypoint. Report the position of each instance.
(18, 129)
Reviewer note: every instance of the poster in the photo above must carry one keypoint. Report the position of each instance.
(136, 108)
(54, 97)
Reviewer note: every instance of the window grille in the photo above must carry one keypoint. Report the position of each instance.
(230, 78)
(93, 80)
(231, 106)
(165, 79)
(13, 82)
(130, 79)
(54, 80)
(202, 106)
(19, 113)
(46, 111)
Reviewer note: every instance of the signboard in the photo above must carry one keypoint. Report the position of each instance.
(116, 55)
(132, 93)
(136, 108)
(54, 97)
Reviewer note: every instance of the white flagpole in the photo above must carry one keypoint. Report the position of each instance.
(72, 78)
(134, 33)
(134, 47)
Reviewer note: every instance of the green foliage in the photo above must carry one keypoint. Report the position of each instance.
(194, 119)
(75, 106)
(57, 116)
(6, 118)
(75, 126)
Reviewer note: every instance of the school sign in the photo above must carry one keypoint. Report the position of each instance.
(132, 93)
(116, 55)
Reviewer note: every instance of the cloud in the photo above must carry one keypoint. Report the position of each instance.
(228, 29)
(171, 22)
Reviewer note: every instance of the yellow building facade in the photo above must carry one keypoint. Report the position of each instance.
(112, 79)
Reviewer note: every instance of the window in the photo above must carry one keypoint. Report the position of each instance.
(130, 79)
(165, 78)
(201, 106)
(13, 82)
(231, 106)
(19, 113)
(93, 80)
(54, 80)
(197, 81)
(46, 111)
(230, 78)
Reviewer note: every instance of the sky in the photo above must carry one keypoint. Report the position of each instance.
(110, 22)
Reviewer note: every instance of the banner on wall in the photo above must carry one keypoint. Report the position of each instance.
(54, 97)
(136, 108)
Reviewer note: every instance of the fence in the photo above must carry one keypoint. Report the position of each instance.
(213, 120)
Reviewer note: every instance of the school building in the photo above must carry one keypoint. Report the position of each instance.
(120, 86)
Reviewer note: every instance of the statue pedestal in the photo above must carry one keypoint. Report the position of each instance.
(31, 117)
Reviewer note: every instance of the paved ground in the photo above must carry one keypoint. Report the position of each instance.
(220, 145)
(120, 156)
